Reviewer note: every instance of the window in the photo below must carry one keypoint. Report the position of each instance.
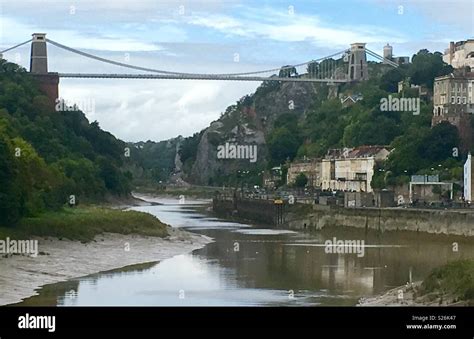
(453, 100)
(464, 100)
(459, 100)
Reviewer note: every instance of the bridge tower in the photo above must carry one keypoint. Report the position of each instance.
(48, 81)
(358, 63)
(39, 57)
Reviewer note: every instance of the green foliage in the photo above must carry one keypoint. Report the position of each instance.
(390, 79)
(417, 147)
(287, 71)
(282, 145)
(426, 66)
(69, 224)
(421, 149)
(324, 127)
(11, 200)
(301, 180)
(48, 155)
(453, 279)
(313, 69)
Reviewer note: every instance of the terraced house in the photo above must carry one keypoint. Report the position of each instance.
(453, 101)
(351, 169)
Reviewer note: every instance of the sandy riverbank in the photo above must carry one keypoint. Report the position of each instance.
(61, 260)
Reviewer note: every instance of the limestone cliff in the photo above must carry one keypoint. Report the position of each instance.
(248, 123)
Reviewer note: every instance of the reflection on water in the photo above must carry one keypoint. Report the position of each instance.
(249, 265)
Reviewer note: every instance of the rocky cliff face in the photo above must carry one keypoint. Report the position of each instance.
(248, 123)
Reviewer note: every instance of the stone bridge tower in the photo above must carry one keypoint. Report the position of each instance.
(48, 81)
(358, 70)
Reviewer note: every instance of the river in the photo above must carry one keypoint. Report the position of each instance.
(251, 265)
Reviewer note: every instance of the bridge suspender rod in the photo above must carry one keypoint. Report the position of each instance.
(9, 49)
(178, 73)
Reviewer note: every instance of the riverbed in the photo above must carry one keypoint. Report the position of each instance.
(256, 265)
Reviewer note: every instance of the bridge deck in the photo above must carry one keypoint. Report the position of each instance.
(195, 77)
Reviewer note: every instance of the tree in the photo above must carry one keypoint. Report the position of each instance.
(426, 66)
(301, 180)
(287, 72)
(438, 144)
(313, 69)
(282, 145)
(11, 199)
(389, 80)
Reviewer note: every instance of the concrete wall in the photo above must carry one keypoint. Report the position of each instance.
(261, 211)
(430, 221)
(316, 217)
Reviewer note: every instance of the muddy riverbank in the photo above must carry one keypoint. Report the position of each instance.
(61, 260)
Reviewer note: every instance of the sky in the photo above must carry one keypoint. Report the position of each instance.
(209, 37)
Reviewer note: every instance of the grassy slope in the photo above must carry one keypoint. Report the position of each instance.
(454, 280)
(84, 223)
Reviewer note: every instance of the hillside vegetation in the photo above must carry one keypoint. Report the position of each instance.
(46, 155)
(317, 121)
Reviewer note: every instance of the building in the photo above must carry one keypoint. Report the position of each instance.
(387, 52)
(310, 168)
(351, 169)
(401, 60)
(453, 101)
(272, 178)
(468, 180)
(428, 188)
(349, 100)
(388, 55)
(460, 54)
(422, 91)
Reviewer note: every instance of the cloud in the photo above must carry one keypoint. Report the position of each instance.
(458, 14)
(155, 110)
(18, 31)
(204, 39)
(283, 27)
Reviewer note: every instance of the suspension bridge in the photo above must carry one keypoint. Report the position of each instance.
(343, 66)
(349, 65)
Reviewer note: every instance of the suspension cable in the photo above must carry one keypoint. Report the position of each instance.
(180, 73)
(9, 49)
(388, 61)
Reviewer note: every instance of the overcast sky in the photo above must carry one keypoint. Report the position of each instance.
(213, 37)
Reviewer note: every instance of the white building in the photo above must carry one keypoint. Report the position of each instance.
(351, 169)
(460, 54)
